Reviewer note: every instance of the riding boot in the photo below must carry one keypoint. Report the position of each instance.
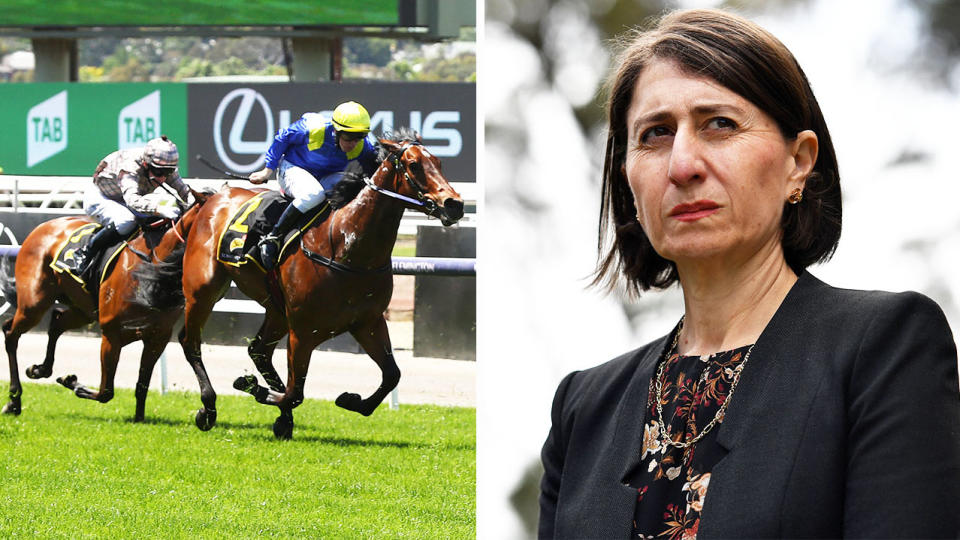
(270, 243)
(85, 256)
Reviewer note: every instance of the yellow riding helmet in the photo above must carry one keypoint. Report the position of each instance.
(351, 116)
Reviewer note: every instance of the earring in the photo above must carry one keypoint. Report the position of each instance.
(795, 196)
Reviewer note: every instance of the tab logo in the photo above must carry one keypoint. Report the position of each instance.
(47, 129)
(139, 121)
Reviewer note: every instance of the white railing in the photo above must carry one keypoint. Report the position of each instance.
(64, 195)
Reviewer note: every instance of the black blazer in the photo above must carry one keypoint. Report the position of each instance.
(846, 423)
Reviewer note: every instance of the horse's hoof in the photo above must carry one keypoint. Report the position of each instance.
(283, 428)
(70, 381)
(353, 402)
(205, 419)
(12, 408)
(246, 383)
(37, 372)
(137, 418)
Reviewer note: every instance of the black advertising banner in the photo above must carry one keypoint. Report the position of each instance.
(232, 125)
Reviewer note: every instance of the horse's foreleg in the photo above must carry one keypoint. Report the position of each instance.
(152, 349)
(375, 340)
(109, 357)
(207, 416)
(298, 361)
(189, 339)
(202, 290)
(62, 318)
(264, 343)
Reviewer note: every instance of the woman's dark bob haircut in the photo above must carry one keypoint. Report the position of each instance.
(751, 62)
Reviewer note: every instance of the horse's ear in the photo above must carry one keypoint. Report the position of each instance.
(391, 146)
(200, 196)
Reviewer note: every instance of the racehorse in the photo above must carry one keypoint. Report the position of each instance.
(339, 280)
(128, 308)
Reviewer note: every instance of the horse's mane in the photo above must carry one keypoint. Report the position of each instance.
(160, 284)
(347, 188)
(400, 135)
(353, 181)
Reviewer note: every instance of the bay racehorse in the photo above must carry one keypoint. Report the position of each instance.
(128, 308)
(338, 279)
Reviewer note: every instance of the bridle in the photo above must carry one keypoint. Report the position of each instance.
(422, 201)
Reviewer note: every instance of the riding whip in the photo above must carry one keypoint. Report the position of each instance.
(207, 162)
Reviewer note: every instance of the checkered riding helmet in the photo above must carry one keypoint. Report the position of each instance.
(161, 153)
(352, 117)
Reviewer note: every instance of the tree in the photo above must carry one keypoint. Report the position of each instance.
(376, 51)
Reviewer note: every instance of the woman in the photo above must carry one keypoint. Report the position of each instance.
(779, 406)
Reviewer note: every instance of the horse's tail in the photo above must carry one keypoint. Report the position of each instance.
(160, 284)
(7, 283)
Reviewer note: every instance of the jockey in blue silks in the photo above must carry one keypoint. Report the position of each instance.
(311, 156)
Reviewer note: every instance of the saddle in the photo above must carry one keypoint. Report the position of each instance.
(65, 263)
(255, 217)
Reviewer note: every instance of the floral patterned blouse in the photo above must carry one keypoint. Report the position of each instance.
(672, 482)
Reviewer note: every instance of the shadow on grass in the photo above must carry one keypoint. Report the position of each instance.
(257, 431)
(348, 441)
(176, 422)
(345, 442)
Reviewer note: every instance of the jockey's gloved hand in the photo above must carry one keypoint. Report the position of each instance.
(190, 199)
(169, 212)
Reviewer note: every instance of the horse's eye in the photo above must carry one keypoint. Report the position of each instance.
(415, 167)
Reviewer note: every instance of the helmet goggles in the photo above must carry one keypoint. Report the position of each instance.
(159, 172)
(350, 136)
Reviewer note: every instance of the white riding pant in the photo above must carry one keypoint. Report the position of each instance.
(301, 186)
(108, 212)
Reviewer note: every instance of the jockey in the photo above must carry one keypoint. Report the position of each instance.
(120, 184)
(312, 154)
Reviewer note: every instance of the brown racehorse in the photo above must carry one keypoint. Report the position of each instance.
(127, 308)
(320, 299)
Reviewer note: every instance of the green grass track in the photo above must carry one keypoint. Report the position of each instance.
(75, 468)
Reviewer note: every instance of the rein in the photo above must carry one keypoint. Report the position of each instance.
(176, 232)
(393, 194)
(173, 225)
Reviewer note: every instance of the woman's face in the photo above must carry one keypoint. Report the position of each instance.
(709, 171)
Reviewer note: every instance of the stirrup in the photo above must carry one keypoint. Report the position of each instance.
(269, 251)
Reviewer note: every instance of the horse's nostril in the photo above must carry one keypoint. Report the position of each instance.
(453, 208)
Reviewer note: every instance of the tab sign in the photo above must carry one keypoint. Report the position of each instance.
(47, 128)
(139, 121)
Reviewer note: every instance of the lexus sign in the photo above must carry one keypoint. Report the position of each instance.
(234, 125)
